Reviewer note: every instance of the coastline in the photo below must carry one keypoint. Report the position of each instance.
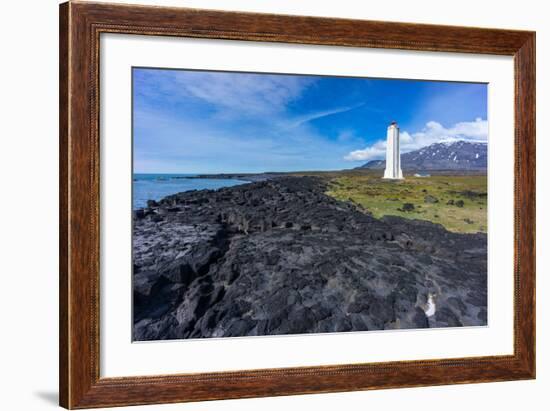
(154, 187)
(279, 256)
(268, 175)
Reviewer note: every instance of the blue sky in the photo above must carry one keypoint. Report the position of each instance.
(212, 122)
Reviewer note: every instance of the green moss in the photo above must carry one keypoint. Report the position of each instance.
(386, 197)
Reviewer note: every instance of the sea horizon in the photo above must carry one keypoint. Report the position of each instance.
(156, 186)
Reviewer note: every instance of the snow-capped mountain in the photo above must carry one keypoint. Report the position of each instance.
(458, 155)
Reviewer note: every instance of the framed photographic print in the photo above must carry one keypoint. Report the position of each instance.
(258, 205)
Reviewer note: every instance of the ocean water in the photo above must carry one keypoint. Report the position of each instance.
(157, 186)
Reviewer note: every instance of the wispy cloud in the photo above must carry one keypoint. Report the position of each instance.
(298, 121)
(240, 93)
(165, 143)
(433, 132)
(201, 121)
(204, 121)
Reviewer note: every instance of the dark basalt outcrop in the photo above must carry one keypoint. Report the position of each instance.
(281, 257)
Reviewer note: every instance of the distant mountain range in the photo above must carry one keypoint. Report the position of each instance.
(458, 155)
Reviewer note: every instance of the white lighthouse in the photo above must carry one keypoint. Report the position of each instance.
(393, 156)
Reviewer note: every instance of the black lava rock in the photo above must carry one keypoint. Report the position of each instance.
(281, 257)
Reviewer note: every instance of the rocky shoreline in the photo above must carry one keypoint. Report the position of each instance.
(236, 176)
(279, 256)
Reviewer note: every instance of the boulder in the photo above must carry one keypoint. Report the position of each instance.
(431, 199)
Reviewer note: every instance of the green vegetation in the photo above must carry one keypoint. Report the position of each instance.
(458, 202)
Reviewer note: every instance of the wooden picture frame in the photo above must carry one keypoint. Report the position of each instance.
(80, 27)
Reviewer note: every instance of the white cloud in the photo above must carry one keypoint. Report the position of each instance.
(253, 95)
(298, 121)
(228, 92)
(236, 95)
(433, 132)
(180, 144)
(246, 122)
(377, 150)
(245, 91)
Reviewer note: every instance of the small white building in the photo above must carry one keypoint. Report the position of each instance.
(393, 155)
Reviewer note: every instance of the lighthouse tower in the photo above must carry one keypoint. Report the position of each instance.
(393, 156)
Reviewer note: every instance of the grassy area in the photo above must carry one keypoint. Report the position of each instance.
(459, 203)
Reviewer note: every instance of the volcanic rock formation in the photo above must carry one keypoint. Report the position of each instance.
(282, 257)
